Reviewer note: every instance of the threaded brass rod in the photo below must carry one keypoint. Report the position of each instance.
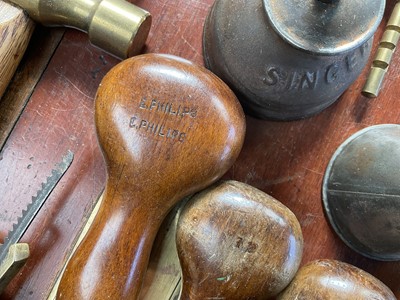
(387, 46)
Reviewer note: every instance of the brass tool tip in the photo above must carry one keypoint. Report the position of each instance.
(119, 27)
(116, 26)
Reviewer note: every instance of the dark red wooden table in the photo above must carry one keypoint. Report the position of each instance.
(284, 159)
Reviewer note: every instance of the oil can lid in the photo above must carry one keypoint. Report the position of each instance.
(326, 27)
(361, 192)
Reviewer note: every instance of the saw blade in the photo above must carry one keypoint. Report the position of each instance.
(37, 202)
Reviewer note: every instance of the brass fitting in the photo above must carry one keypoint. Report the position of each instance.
(387, 46)
(116, 26)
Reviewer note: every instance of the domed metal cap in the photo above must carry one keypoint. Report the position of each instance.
(325, 26)
(361, 192)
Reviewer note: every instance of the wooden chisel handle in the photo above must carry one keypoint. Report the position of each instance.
(167, 129)
(15, 31)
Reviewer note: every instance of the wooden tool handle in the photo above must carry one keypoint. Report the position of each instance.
(236, 242)
(12, 264)
(331, 280)
(167, 129)
(15, 31)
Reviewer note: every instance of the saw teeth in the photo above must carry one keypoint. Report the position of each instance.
(29, 205)
(15, 225)
(30, 211)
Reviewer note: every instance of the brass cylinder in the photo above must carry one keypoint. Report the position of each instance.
(387, 46)
(116, 26)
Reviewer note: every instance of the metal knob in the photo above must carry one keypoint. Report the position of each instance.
(116, 26)
(361, 192)
(289, 59)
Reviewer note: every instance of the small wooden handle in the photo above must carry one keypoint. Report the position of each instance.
(12, 264)
(15, 31)
(236, 242)
(331, 280)
(167, 129)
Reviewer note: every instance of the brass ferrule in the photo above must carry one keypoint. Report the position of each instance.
(116, 26)
(383, 56)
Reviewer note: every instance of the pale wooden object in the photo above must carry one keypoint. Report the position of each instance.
(15, 31)
(21, 86)
(52, 295)
(163, 276)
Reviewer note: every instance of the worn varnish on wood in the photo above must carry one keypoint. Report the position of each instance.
(167, 129)
(284, 159)
(236, 242)
(38, 54)
(331, 279)
(15, 31)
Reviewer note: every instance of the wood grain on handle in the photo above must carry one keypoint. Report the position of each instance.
(167, 129)
(331, 280)
(236, 242)
(15, 31)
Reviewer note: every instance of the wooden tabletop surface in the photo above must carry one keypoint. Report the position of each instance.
(55, 86)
